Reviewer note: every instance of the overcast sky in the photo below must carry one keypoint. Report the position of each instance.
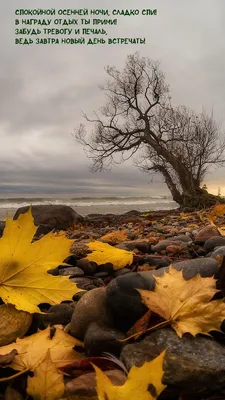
(44, 88)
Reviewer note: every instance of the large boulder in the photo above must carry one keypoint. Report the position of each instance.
(192, 364)
(58, 217)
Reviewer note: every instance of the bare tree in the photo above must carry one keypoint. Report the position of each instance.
(139, 118)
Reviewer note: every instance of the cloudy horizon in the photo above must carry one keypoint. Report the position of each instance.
(45, 88)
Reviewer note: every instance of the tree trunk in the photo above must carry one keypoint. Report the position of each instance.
(171, 185)
(193, 196)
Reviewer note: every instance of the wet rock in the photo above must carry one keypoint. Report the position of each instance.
(192, 364)
(213, 242)
(55, 216)
(71, 271)
(206, 233)
(78, 234)
(103, 274)
(78, 296)
(82, 283)
(121, 246)
(91, 307)
(42, 230)
(124, 301)
(183, 238)
(220, 251)
(144, 247)
(121, 272)
(72, 260)
(206, 267)
(85, 385)
(163, 244)
(88, 267)
(57, 314)
(107, 267)
(157, 262)
(53, 271)
(98, 282)
(99, 339)
(174, 249)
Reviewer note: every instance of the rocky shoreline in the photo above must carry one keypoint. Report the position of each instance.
(110, 305)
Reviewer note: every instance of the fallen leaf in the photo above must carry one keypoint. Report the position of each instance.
(47, 383)
(83, 366)
(103, 253)
(32, 349)
(140, 325)
(221, 230)
(218, 210)
(185, 304)
(146, 215)
(24, 280)
(7, 359)
(143, 383)
(115, 237)
(13, 323)
(184, 216)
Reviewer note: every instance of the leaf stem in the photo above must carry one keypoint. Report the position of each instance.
(160, 325)
(8, 378)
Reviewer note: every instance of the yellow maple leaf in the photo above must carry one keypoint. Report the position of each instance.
(47, 383)
(221, 230)
(103, 253)
(32, 349)
(184, 216)
(218, 210)
(143, 383)
(24, 280)
(115, 237)
(185, 304)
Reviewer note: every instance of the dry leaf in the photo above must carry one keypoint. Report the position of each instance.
(115, 237)
(221, 230)
(7, 359)
(24, 280)
(13, 323)
(140, 326)
(184, 216)
(32, 349)
(143, 383)
(103, 253)
(218, 210)
(47, 383)
(185, 304)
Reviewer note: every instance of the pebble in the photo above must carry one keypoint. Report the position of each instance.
(88, 267)
(72, 260)
(99, 339)
(71, 271)
(206, 233)
(92, 307)
(103, 274)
